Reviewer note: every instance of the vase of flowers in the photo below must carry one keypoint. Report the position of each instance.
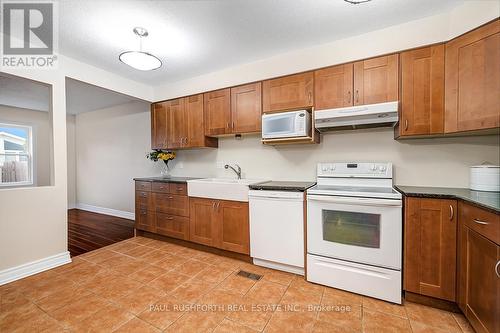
(160, 155)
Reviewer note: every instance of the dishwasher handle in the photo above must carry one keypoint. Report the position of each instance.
(276, 195)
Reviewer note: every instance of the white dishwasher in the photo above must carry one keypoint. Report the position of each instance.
(277, 229)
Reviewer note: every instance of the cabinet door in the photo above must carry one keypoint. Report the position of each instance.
(217, 112)
(159, 124)
(376, 80)
(479, 288)
(246, 108)
(422, 91)
(194, 120)
(289, 92)
(472, 88)
(201, 221)
(430, 247)
(172, 226)
(233, 232)
(333, 87)
(144, 220)
(177, 123)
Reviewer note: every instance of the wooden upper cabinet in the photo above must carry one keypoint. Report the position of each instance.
(422, 91)
(472, 91)
(430, 247)
(246, 108)
(195, 132)
(333, 87)
(159, 125)
(177, 123)
(233, 227)
(376, 80)
(217, 112)
(288, 92)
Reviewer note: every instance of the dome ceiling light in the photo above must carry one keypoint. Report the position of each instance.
(356, 2)
(140, 60)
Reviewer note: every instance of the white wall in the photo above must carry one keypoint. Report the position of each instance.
(433, 162)
(33, 221)
(42, 132)
(111, 146)
(71, 153)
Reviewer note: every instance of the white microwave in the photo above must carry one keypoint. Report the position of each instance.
(290, 124)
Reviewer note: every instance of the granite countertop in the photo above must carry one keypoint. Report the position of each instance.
(283, 186)
(165, 179)
(487, 200)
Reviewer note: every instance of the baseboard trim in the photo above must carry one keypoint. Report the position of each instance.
(106, 211)
(34, 267)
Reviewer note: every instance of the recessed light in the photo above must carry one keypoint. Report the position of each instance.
(140, 60)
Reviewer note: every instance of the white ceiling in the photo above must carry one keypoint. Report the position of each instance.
(197, 37)
(80, 97)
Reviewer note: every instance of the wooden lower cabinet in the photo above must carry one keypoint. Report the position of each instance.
(201, 228)
(220, 223)
(145, 220)
(430, 247)
(172, 226)
(233, 226)
(478, 269)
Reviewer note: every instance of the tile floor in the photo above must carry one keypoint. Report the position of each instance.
(144, 285)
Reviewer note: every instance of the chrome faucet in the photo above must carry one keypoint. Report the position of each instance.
(236, 171)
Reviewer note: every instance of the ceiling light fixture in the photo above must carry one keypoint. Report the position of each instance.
(140, 60)
(356, 2)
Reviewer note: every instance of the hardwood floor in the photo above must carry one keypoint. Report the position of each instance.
(89, 231)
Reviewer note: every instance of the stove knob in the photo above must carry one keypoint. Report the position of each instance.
(373, 167)
(324, 168)
(382, 168)
(332, 167)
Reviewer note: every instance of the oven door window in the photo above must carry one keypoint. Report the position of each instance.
(351, 228)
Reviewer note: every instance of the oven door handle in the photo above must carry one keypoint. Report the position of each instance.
(356, 201)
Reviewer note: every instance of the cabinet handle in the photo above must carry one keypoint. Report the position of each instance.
(217, 206)
(357, 96)
(144, 213)
(232, 125)
(170, 218)
(451, 213)
(349, 96)
(480, 222)
(213, 205)
(310, 97)
(406, 124)
(496, 268)
(143, 195)
(227, 125)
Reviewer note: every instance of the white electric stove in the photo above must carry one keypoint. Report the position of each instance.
(354, 230)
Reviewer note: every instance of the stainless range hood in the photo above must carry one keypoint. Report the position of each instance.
(360, 116)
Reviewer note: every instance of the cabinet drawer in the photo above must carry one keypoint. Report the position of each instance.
(172, 226)
(143, 200)
(143, 186)
(144, 220)
(481, 221)
(176, 188)
(161, 187)
(171, 204)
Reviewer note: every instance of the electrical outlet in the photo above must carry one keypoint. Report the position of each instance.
(220, 165)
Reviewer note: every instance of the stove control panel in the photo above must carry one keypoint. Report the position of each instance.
(355, 170)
